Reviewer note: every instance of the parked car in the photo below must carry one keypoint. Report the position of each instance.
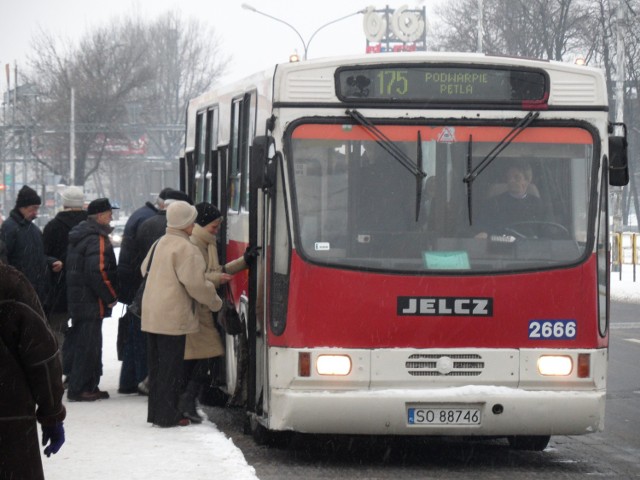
(116, 235)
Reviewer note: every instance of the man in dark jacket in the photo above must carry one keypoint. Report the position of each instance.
(30, 380)
(91, 294)
(147, 233)
(155, 227)
(56, 240)
(132, 343)
(23, 243)
(130, 258)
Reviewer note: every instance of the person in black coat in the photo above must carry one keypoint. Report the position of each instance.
(55, 236)
(91, 293)
(132, 343)
(156, 226)
(130, 257)
(23, 243)
(30, 380)
(148, 232)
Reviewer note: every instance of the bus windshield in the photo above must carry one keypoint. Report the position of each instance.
(356, 206)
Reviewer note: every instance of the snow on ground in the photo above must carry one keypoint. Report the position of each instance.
(111, 439)
(624, 289)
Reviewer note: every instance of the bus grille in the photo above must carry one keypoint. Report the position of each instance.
(437, 365)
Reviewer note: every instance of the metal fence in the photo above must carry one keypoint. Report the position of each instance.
(624, 251)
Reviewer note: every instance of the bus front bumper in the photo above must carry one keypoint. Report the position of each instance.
(456, 411)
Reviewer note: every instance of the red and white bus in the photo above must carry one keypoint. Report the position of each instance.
(388, 298)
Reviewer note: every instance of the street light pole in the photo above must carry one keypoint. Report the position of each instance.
(305, 45)
(72, 140)
(480, 27)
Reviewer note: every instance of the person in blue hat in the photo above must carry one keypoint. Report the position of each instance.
(91, 293)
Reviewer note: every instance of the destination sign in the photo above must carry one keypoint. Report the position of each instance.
(442, 84)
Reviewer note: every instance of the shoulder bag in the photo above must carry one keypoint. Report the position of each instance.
(135, 308)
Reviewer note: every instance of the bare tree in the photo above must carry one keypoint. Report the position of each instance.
(187, 60)
(545, 29)
(103, 71)
(131, 78)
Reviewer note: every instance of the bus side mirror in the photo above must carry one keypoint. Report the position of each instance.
(618, 163)
(263, 152)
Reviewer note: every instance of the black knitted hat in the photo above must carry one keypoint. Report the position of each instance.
(27, 196)
(207, 213)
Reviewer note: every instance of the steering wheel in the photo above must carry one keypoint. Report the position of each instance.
(539, 229)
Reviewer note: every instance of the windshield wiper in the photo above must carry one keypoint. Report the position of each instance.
(495, 151)
(469, 158)
(419, 176)
(415, 168)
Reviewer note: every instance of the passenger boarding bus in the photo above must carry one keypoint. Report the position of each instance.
(434, 243)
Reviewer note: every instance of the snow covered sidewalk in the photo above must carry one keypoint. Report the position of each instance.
(111, 439)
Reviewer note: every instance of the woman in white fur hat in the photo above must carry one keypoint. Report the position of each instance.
(176, 284)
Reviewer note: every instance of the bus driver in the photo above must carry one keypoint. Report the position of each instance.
(519, 203)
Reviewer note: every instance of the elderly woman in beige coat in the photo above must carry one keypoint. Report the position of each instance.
(206, 343)
(176, 290)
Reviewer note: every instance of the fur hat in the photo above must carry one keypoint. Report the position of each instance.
(180, 215)
(73, 197)
(163, 193)
(207, 213)
(177, 195)
(27, 196)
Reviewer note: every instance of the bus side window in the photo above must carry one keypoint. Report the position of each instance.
(234, 157)
(200, 156)
(242, 130)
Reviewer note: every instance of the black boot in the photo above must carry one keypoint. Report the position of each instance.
(187, 402)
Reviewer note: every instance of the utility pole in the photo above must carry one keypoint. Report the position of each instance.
(480, 28)
(72, 139)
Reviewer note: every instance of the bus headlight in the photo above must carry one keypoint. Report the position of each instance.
(555, 365)
(333, 365)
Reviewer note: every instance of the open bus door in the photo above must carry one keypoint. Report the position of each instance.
(261, 202)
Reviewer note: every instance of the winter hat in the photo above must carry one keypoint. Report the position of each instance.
(27, 196)
(100, 205)
(163, 193)
(207, 213)
(177, 195)
(73, 197)
(180, 215)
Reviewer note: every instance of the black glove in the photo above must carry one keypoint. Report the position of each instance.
(55, 434)
(250, 255)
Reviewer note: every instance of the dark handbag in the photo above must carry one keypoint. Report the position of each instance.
(124, 323)
(135, 307)
(228, 317)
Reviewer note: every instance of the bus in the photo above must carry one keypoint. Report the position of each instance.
(387, 298)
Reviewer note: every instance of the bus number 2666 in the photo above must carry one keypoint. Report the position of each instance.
(552, 329)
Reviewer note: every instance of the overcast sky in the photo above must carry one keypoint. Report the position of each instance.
(255, 41)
